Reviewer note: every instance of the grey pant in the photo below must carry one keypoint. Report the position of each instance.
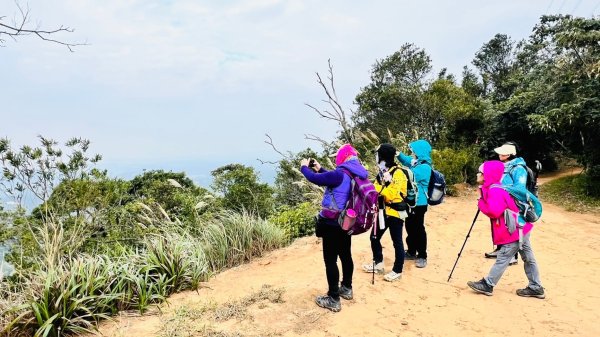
(507, 251)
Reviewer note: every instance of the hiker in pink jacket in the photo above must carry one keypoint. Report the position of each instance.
(494, 202)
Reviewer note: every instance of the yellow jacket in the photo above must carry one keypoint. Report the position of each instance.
(391, 192)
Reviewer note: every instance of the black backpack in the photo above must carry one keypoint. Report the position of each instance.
(531, 184)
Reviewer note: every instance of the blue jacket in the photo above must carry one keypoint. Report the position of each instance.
(515, 173)
(337, 184)
(421, 167)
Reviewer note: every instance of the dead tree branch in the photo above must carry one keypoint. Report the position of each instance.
(312, 137)
(336, 112)
(19, 28)
(270, 142)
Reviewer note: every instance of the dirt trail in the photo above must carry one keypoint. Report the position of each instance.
(422, 303)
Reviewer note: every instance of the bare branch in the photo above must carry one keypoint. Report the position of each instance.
(312, 137)
(325, 114)
(337, 114)
(270, 142)
(267, 161)
(18, 28)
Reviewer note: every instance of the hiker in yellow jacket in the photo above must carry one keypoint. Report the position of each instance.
(392, 186)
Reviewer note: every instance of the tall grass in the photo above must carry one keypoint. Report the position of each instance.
(76, 292)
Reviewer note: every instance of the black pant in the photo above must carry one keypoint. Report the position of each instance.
(416, 238)
(395, 226)
(336, 243)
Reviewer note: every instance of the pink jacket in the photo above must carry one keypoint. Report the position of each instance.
(493, 202)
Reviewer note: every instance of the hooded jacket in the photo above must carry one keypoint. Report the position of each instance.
(337, 186)
(515, 173)
(421, 167)
(495, 200)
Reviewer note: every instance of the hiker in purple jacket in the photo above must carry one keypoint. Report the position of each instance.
(336, 242)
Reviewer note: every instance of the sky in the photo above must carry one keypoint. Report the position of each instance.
(191, 85)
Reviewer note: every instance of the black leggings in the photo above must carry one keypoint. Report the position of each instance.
(395, 226)
(416, 238)
(336, 243)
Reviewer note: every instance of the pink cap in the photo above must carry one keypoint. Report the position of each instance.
(346, 151)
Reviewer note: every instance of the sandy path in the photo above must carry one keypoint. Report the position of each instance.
(422, 303)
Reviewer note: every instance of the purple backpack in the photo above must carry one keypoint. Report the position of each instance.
(363, 200)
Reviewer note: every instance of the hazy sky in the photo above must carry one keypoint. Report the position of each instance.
(188, 85)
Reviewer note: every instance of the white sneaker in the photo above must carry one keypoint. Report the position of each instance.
(392, 276)
(368, 268)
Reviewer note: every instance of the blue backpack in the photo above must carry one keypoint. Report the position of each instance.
(437, 188)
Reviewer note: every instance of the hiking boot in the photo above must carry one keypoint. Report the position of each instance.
(421, 263)
(513, 261)
(409, 256)
(481, 287)
(368, 268)
(492, 255)
(345, 292)
(528, 292)
(327, 302)
(392, 276)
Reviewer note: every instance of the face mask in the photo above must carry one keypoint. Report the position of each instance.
(382, 166)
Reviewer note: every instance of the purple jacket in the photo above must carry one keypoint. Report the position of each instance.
(337, 185)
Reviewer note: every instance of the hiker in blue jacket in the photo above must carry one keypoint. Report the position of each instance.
(515, 175)
(416, 237)
(336, 242)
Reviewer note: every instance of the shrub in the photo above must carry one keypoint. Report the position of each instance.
(296, 221)
(457, 165)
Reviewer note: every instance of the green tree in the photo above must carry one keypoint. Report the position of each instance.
(393, 99)
(241, 189)
(458, 114)
(174, 191)
(495, 61)
(561, 82)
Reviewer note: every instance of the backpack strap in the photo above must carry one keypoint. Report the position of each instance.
(330, 190)
(392, 171)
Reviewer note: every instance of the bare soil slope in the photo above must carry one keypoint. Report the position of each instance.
(422, 303)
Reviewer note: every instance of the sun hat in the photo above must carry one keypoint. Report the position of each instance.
(506, 150)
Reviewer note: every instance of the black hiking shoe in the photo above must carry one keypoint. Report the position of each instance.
(327, 302)
(345, 292)
(492, 255)
(481, 287)
(528, 292)
(409, 256)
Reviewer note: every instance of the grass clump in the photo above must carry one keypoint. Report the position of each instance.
(570, 193)
(80, 290)
(238, 308)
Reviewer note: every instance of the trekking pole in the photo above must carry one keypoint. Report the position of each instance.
(464, 243)
(373, 279)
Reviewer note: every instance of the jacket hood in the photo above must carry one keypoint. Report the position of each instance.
(355, 167)
(422, 149)
(492, 172)
(515, 162)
